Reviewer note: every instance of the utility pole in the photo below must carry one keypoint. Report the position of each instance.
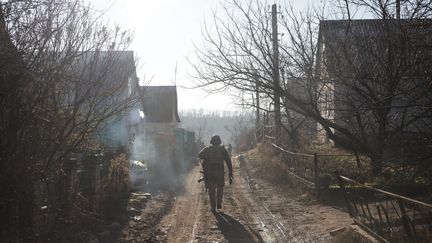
(276, 77)
(258, 128)
(398, 9)
(257, 106)
(257, 98)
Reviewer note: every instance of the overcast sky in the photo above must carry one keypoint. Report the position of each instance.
(164, 33)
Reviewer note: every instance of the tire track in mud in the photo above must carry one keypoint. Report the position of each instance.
(167, 217)
(181, 221)
(263, 220)
(254, 210)
(234, 223)
(143, 225)
(240, 220)
(300, 218)
(190, 218)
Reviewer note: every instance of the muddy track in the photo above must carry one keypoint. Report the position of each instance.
(180, 223)
(236, 222)
(143, 225)
(254, 210)
(299, 217)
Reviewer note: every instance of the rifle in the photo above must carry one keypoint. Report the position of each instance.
(204, 172)
(201, 178)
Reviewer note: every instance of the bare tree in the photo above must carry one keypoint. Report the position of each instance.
(237, 53)
(375, 73)
(364, 82)
(242, 133)
(61, 67)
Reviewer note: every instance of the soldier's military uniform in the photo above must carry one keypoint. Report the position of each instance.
(213, 157)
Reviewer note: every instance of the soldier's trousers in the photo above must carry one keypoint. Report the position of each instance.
(215, 194)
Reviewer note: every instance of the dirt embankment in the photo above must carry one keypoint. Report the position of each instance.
(300, 217)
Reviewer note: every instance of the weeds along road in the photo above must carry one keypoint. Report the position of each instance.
(254, 210)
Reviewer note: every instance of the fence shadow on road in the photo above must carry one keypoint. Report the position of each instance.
(234, 231)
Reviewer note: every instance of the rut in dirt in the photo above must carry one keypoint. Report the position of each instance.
(255, 209)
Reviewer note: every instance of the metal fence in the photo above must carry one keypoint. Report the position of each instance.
(302, 166)
(387, 216)
(268, 132)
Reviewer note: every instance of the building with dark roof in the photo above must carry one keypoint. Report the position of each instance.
(374, 74)
(164, 145)
(112, 76)
(160, 104)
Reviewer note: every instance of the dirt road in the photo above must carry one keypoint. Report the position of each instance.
(254, 210)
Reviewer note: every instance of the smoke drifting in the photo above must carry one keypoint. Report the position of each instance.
(163, 158)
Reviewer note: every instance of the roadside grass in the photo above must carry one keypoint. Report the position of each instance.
(405, 179)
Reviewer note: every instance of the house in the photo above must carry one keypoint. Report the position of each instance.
(374, 77)
(99, 85)
(302, 129)
(105, 82)
(167, 147)
(160, 109)
(116, 71)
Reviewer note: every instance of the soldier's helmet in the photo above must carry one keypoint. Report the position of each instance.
(215, 140)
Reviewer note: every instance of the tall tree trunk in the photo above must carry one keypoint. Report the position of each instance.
(377, 164)
(16, 170)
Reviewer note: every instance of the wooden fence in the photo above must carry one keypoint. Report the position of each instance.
(81, 184)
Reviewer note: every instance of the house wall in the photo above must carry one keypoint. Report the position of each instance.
(358, 66)
(325, 92)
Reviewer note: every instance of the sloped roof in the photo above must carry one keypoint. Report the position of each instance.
(336, 29)
(160, 104)
(116, 66)
(377, 33)
(365, 41)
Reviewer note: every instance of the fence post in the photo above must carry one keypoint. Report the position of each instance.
(70, 180)
(344, 192)
(94, 179)
(315, 174)
(406, 223)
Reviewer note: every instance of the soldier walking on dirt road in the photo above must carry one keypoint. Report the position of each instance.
(213, 157)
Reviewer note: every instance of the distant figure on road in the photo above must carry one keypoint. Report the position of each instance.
(229, 149)
(213, 157)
